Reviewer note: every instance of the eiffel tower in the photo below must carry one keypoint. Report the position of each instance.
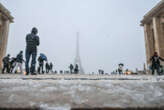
(77, 58)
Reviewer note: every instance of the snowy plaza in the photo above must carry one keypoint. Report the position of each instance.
(63, 92)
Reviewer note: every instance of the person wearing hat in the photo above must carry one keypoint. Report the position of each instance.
(32, 41)
(19, 61)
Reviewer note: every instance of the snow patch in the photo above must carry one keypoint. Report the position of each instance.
(46, 107)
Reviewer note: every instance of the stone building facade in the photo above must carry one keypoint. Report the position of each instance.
(5, 20)
(153, 23)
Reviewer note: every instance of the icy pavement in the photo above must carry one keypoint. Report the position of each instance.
(63, 92)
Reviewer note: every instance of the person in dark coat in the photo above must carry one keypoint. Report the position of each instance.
(71, 68)
(76, 70)
(32, 41)
(6, 61)
(47, 67)
(51, 67)
(41, 65)
(12, 64)
(19, 62)
(120, 68)
(155, 59)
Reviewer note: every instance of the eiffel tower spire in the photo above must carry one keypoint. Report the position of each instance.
(77, 58)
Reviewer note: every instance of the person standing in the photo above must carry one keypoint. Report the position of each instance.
(155, 59)
(47, 67)
(120, 68)
(6, 61)
(76, 70)
(32, 41)
(71, 68)
(51, 67)
(19, 61)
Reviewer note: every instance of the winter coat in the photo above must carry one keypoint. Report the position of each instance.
(40, 60)
(32, 41)
(6, 60)
(19, 58)
(156, 60)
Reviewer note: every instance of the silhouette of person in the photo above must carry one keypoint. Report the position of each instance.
(155, 59)
(32, 41)
(47, 67)
(76, 70)
(19, 61)
(41, 64)
(51, 67)
(71, 68)
(6, 61)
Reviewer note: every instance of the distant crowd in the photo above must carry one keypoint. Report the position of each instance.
(15, 65)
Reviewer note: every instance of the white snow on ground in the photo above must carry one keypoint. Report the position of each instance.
(46, 107)
(60, 94)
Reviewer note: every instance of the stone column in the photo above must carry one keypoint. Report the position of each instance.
(4, 29)
(1, 43)
(5, 34)
(161, 39)
(5, 20)
(157, 32)
(147, 44)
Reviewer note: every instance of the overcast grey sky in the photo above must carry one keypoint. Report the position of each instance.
(110, 30)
